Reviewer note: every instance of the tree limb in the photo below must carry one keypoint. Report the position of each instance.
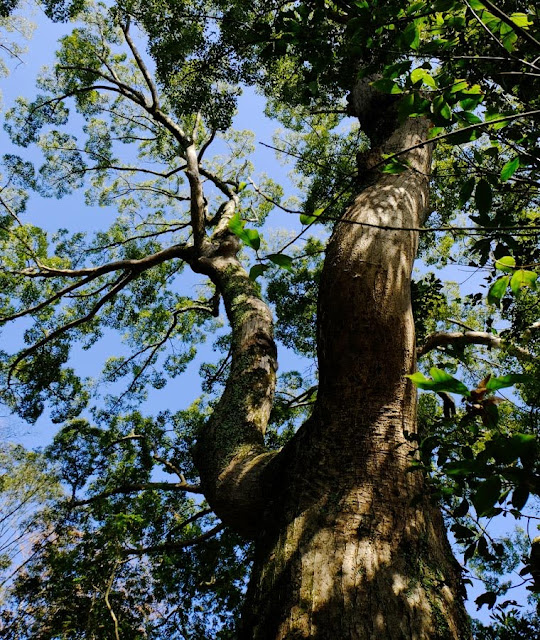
(135, 488)
(140, 63)
(174, 546)
(443, 339)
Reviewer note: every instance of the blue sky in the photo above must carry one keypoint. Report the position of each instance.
(51, 214)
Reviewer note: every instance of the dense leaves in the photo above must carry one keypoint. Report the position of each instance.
(108, 556)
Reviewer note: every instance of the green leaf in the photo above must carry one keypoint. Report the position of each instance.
(283, 261)
(435, 131)
(462, 509)
(248, 236)
(257, 270)
(446, 382)
(386, 85)
(509, 380)
(506, 264)
(395, 166)
(309, 218)
(421, 75)
(521, 20)
(411, 35)
(509, 169)
(509, 40)
(458, 85)
(521, 279)
(440, 106)
(242, 186)
(520, 496)
(469, 103)
(497, 290)
(469, 117)
(487, 495)
(466, 191)
(441, 381)
(251, 238)
(483, 196)
(236, 224)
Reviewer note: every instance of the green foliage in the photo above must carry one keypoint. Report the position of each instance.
(127, 535)
(294, 296)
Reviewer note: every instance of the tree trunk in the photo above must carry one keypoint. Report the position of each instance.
(352, 548)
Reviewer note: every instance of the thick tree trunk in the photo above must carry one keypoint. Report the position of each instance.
(352, 548)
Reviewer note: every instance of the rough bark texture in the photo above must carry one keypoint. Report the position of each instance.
(230, 454)
(348, 545)
(352, 548)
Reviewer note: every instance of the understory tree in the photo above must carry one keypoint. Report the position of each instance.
(314, 503)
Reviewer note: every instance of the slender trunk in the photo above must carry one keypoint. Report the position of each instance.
(352, 548)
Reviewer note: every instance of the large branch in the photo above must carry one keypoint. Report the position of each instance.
(126, 489)
(230, 454)
(459, 339)
(181, 251)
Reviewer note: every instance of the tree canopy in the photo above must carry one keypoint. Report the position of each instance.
(133, 537)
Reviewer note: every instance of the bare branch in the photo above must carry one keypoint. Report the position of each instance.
(140, 63)
(198, 206)
(157, 345)
(136, 266)
(123, 88)
(190, 520)
(121, 282)
(443, 136)
(206, 144)
(108, 604)
(53, 298)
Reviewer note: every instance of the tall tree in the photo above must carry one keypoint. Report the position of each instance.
(333, 484)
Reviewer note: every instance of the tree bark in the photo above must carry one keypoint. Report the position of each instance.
(230, 454)
(351, 546)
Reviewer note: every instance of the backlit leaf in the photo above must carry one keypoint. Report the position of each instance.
(497, 290)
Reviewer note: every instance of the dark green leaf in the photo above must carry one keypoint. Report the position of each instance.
(462, 532)
(411, 35)
(483, 196)
(469, 552)
(386, 85)
(257, 270)
(520, 496)
(466, 191)
(508, 380)
(283, 261)
(462, 509)
(487, 495)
